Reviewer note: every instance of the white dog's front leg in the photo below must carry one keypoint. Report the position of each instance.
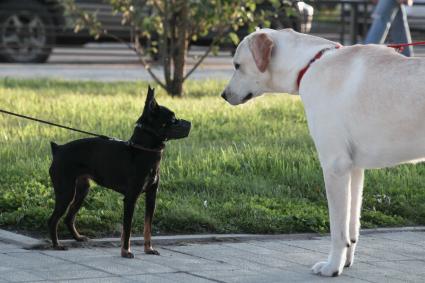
(357, 178)
(337, 181)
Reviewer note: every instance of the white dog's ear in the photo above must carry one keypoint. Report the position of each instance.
(261, 46)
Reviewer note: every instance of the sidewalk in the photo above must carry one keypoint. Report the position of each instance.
(385, 256)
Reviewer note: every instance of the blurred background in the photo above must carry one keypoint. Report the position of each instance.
(59, 34)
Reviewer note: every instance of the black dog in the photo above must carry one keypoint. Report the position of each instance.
(129, 168)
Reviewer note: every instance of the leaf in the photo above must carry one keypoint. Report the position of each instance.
(234, 38)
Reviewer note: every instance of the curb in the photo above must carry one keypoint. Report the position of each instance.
(31, 243)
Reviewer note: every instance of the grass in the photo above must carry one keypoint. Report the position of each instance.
(248, 169)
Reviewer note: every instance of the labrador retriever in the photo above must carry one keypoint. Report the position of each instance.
(365, 107)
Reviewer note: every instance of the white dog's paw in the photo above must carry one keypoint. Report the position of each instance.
(350, 254)
(325, 268)
(350, 257)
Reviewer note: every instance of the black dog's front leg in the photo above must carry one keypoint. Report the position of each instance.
(129, 204)
(149, 212)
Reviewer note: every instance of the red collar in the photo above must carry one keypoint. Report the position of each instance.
(318, 56)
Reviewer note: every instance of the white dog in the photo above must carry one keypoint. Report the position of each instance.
(365, 106)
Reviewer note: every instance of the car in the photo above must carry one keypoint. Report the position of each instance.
(30, 29)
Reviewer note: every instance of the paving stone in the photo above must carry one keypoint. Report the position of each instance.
(16, 239)
(255, 249)
(243, 276)
(4, 247)
(28, 260)
(373, 273)
(73, 272)
(321, 245)
(125, 266)
(406, 237)
(76, 254)
(5, 268)
(284, 247)
(99, 280)
(149, 278)
(260, 255)
(414, 267)
(372, 254)
(19, 276)
(185, 277)
(220, 255)
(184, 262)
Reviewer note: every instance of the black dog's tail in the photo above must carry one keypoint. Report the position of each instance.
(54, 147)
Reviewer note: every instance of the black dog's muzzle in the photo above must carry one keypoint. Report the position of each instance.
(178, 130)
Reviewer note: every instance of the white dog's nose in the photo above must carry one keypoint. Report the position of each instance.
(223, 94)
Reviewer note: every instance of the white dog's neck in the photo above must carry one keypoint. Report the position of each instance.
(292, 45)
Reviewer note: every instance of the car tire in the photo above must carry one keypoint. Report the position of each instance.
(27, 32)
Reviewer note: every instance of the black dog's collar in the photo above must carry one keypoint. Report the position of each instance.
(138, 146)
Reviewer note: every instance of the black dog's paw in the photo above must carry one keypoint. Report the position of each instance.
(82, 238)
(126, 254)
(60, 248)
(151, 252)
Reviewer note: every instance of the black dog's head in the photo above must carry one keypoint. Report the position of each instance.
(161, 121)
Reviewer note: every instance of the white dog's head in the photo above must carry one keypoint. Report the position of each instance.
(264, 61)
(251, 61)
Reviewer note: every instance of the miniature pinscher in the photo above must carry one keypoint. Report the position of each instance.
(128, 167)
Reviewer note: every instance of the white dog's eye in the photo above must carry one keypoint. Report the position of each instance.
(237, 66)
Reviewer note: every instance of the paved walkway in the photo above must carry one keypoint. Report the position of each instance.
(392, 256)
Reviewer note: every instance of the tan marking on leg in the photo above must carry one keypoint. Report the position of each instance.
(125, 253)
(147, 235)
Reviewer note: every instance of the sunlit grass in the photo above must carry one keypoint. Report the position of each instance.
(251, 168)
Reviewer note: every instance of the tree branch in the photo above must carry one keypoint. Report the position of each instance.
(220, 35)
(158, 7)
(137, 49)
(145, 64)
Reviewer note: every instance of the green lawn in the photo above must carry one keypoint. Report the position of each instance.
(249, 169)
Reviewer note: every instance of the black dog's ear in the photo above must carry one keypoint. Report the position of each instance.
(150, 103)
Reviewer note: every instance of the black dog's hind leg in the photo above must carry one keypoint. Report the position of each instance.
(81, 191)
(149, 212)
(129, 204)
(64, 194)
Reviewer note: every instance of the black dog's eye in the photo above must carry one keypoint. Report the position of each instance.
(237, 66)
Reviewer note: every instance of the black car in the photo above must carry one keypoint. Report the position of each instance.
(29, 29)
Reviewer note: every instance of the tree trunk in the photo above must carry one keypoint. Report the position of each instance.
(165, 47)
(180, 39)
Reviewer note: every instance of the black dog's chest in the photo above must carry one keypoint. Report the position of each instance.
(134, 180)
(151, 178)
(113, 165)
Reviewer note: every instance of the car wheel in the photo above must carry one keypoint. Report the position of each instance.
(26, 32)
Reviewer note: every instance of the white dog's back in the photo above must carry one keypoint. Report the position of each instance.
(375, 97)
